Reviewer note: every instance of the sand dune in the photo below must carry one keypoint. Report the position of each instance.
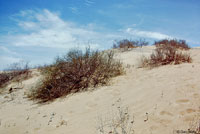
(169, 94)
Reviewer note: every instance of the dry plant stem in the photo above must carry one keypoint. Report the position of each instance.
(16, 73)
(75, 72)
(118, 123)
(126, 45)
(169, 53)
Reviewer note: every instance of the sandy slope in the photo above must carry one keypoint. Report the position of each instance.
(169, 94)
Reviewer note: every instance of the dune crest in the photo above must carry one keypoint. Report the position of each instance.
(168, 95)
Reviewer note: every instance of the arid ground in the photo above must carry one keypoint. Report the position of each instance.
(161, 100)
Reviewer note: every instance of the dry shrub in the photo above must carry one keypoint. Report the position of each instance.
(119, 122)
(126, 44)
(179, 44)
(44, 69)
(4, 78)
(76, 71)
(166, 54)
(15, 72)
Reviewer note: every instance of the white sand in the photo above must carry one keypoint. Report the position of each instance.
(169, 94)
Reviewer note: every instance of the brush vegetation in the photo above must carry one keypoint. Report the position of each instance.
(126, 44)
(178, 44)
(77, 71)
(119, 122)
(15, 72)
(168, 52)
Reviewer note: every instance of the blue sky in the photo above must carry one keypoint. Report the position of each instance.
(38, 30)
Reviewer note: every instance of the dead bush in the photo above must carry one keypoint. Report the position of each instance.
(126, 44)
(45, 69)
(15, 72)
(4, 78)
(76, 71)
(166, 54)
(179, 44)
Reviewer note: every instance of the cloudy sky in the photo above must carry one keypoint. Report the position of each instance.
(38, 30)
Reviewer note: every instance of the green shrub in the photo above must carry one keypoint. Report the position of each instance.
(76, 71)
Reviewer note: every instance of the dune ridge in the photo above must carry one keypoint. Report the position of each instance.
(169, 94)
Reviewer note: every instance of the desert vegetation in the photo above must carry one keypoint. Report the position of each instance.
(126, 44)
(77, 71)
(168, 52)
(118, 122)
(15, 72)
(178, 44)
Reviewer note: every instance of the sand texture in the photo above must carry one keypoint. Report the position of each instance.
(168, 95)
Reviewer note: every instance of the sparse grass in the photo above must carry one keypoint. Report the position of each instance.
(15, 72)
(119, 122)
(75, 72)
(126, 44)
(168, 53)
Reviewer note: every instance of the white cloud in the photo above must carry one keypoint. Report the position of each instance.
(5, 50)
(7, 60)
(123, 6)
(28, 25)
(74, 10)
(7, 57)
(147, 34)
(47, 29)
(89, 2)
